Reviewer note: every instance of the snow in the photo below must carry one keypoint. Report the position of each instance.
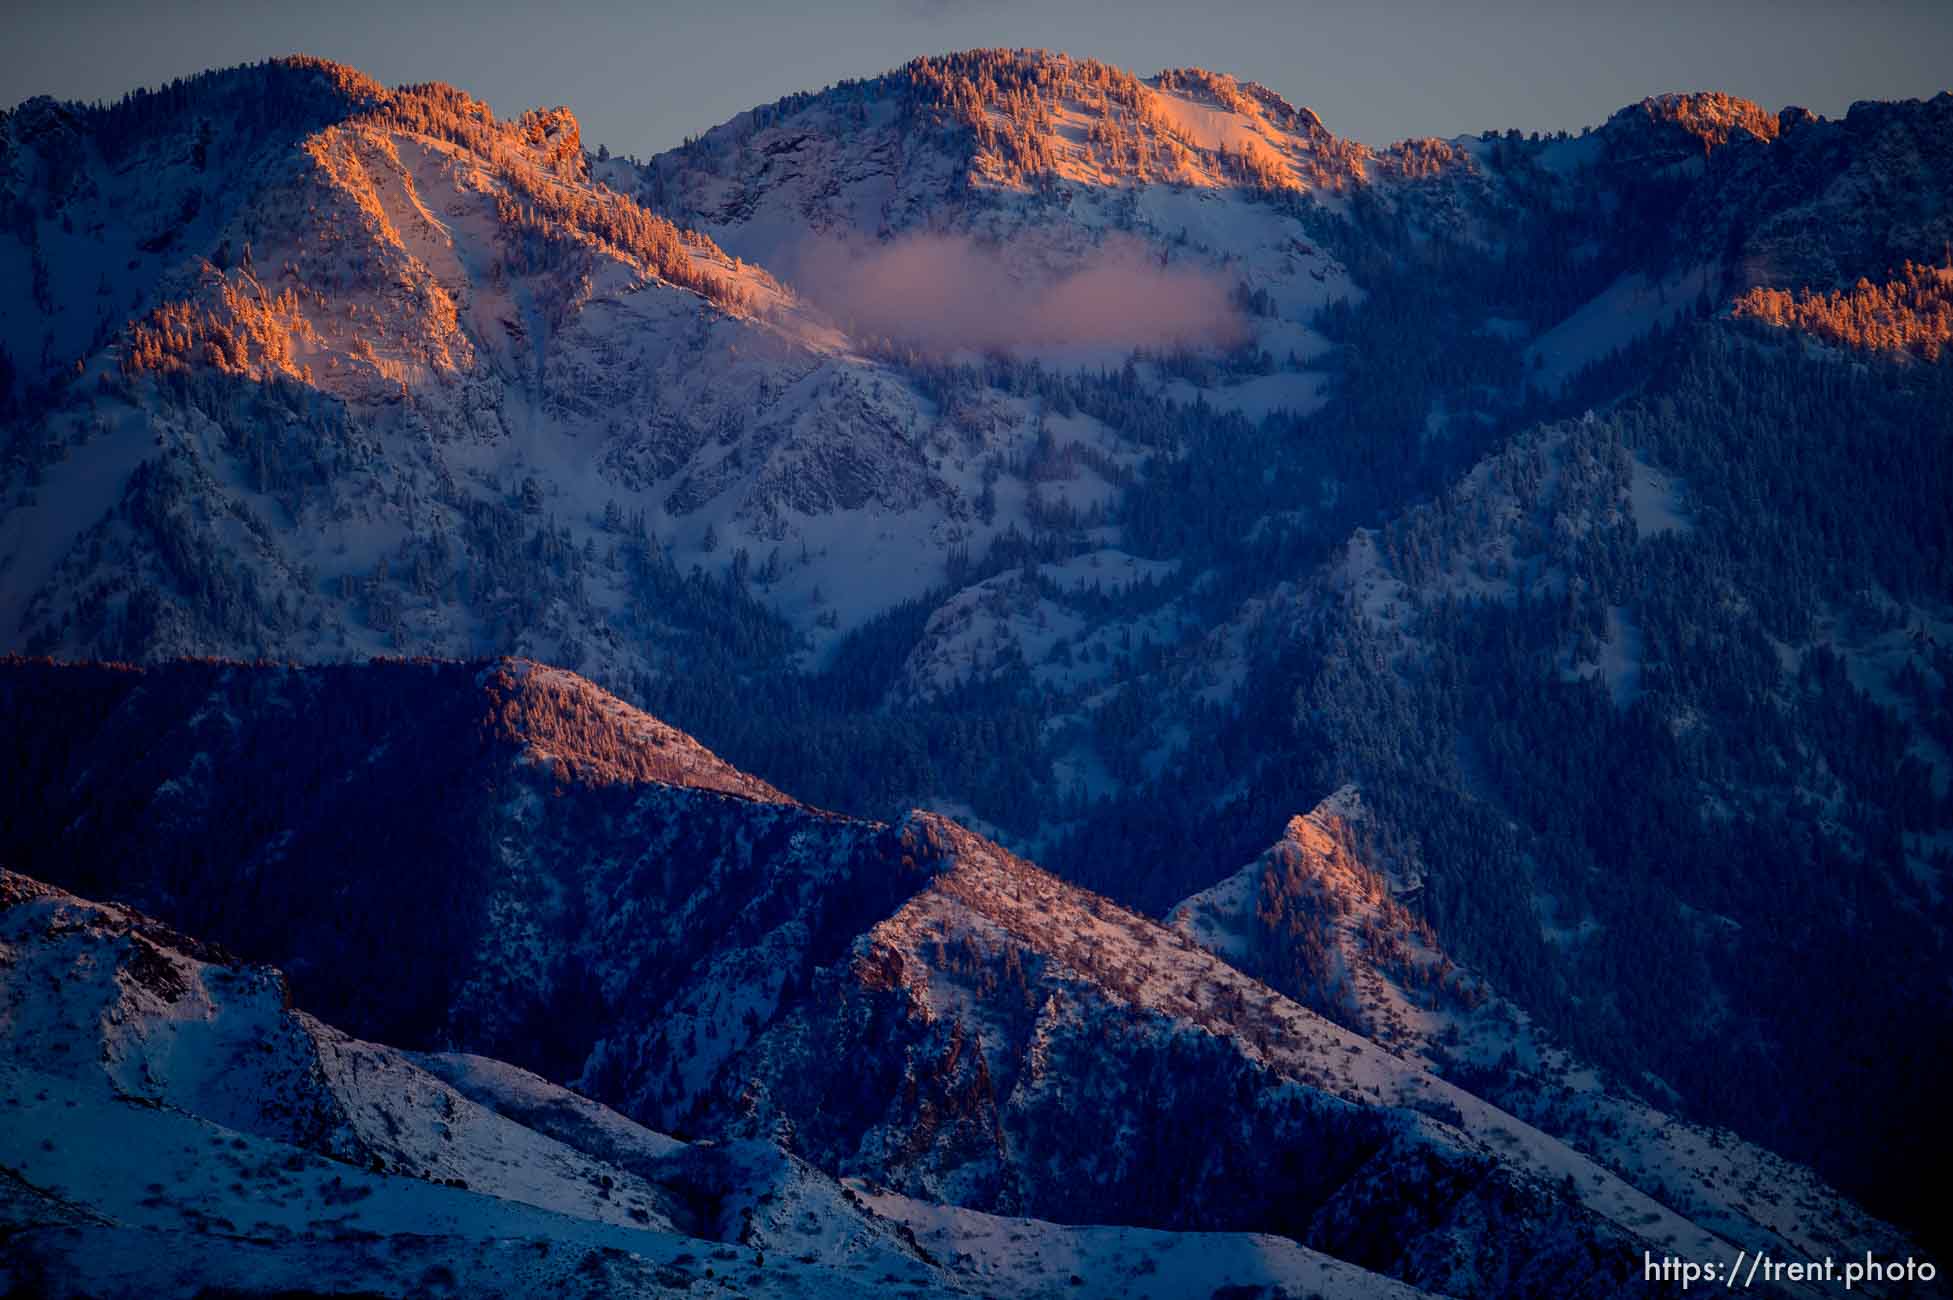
(1565, 157)
(1622, 313)
(1208, 126)
(1620, 663)
(278, 1126)
(1296, 393)
(1005, 619)
(1656, 499)
(768, 427)
(509, 1090)
(73, 495)
(1222, 919)
(1044, 1258)
(176, 1203)
(648, 747)
(221, 1044)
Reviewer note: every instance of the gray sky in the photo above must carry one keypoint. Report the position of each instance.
(641, 77)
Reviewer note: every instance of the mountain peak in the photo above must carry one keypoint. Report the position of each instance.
(541, 715)
(293, 90)
(1709, 116)
(556, 717)
(1317, 918)
(998, 126)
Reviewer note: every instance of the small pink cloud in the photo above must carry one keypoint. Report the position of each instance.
(947, 293)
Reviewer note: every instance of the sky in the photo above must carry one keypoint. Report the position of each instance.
(642, 76)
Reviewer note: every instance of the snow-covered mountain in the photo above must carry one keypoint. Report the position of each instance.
(1118, 465)
(174, 1126)
(908, 1005)
(1039, 169)
(380, 346)
(302, 366)
(311, 366)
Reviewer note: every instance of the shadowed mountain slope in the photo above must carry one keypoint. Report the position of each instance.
(499, 859)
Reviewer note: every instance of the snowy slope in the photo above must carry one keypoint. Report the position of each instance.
(991, 899)
(133, 1018)
(1057, 1260)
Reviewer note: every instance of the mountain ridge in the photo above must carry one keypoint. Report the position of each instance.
(202, 1133)
(907, 1003)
